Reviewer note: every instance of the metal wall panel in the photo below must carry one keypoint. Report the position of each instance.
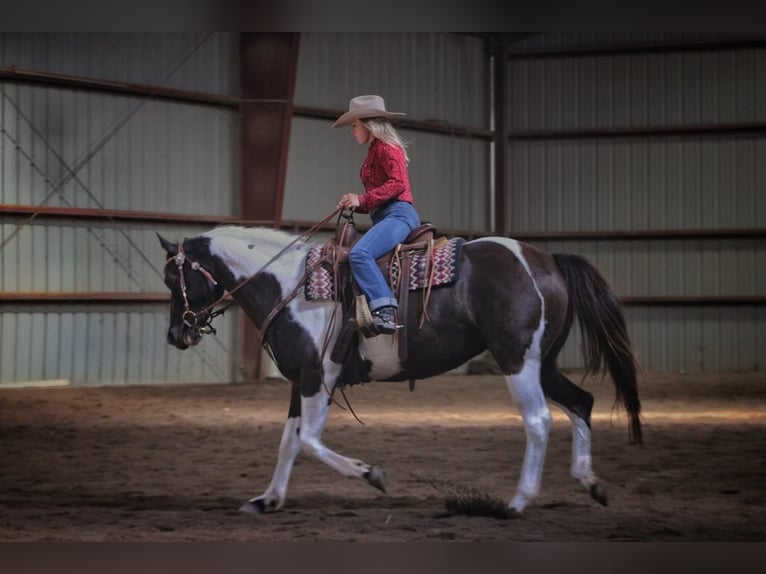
(681, 338)
(638, 90)
(429, 76)
(650, 183)
(89, 344)
(639, 183)
(195, 61)
(564, 40)
(106, 345)
(70, 148)
(64, 147)
(440, 77)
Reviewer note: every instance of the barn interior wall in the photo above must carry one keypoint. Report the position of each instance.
(72, 148)
(639, 182)
(62, 147)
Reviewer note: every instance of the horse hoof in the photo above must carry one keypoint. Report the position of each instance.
(258, 506)
(376, 477)
(599, 494)
(252, 507)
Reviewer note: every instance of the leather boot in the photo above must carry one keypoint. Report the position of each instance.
(384, 320)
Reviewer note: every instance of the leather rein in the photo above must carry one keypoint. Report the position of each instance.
(192, 319)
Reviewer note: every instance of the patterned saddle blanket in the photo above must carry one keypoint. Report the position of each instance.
(441, 264)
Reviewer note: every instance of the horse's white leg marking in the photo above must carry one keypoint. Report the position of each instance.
(581, 468)
(526, 389)
(314, 412)
(289, 447)
(528, 394)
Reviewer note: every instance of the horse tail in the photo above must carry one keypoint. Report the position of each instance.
(605, 341)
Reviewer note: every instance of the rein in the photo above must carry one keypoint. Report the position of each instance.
(190, 318)
(305, 235)
(209, 312)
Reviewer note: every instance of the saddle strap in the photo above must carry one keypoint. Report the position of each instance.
(429, 272)
(403, 310)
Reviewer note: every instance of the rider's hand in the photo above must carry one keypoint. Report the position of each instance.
(349, 200)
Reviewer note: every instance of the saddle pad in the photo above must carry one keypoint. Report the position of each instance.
(444, 260)
(320, 284)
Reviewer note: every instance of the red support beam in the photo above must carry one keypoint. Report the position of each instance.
(268, 65)
(499, 53)
(268, 69)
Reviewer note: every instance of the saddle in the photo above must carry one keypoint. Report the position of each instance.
(411, 266)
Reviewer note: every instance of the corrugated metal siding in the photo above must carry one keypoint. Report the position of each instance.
(429, 76)
(113, 152)
(72, 148)
(564, 40)
(102, 345)
(195, 61)
(638, 90)
(681, 338)
(439, 77)
(653, 183)
(640, 183)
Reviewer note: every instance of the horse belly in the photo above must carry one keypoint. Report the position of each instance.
(424, 359)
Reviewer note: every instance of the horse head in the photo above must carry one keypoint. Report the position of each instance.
(193, 292)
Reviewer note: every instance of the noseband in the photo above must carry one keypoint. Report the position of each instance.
(189, 317)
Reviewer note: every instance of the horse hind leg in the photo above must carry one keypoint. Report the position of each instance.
(527, 393)
(577, 403)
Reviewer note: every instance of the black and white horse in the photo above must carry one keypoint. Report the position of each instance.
(511, 298)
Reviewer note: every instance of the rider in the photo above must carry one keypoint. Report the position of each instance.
(387, 198)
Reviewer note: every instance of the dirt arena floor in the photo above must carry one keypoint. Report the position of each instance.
(169, 463)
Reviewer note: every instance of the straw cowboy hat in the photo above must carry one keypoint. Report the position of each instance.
(365, 107)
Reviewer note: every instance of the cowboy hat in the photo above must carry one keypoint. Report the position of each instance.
(365, 107)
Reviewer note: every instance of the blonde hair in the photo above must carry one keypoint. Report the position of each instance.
(382, 129)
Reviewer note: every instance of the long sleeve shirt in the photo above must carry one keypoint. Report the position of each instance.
(384, 176)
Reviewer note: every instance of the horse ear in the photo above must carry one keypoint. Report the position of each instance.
(171, 248)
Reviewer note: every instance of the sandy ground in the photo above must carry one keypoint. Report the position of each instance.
(168, 463)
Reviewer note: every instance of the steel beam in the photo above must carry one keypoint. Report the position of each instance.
(268, 66)
(499, 49)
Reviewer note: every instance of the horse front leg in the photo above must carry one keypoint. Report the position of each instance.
(289, 447)
(315, 407)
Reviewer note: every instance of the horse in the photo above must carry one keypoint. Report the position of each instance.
(511, 298)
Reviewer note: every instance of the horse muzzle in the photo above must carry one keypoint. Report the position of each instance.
(183, 337)
(192, 336)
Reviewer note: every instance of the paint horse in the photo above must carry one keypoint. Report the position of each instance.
(511, 298)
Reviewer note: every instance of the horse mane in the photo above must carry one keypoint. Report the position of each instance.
(241, 235)
(242, 247)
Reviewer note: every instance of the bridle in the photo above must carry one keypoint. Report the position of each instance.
(201, 321)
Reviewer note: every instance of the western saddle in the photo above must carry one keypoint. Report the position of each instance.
(356, 314)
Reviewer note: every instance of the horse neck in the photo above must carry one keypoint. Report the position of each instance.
(237, 255)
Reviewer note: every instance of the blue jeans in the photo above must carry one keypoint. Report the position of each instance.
(390, 226)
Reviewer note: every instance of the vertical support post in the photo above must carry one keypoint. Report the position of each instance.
(268, 66)
(500, 76)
